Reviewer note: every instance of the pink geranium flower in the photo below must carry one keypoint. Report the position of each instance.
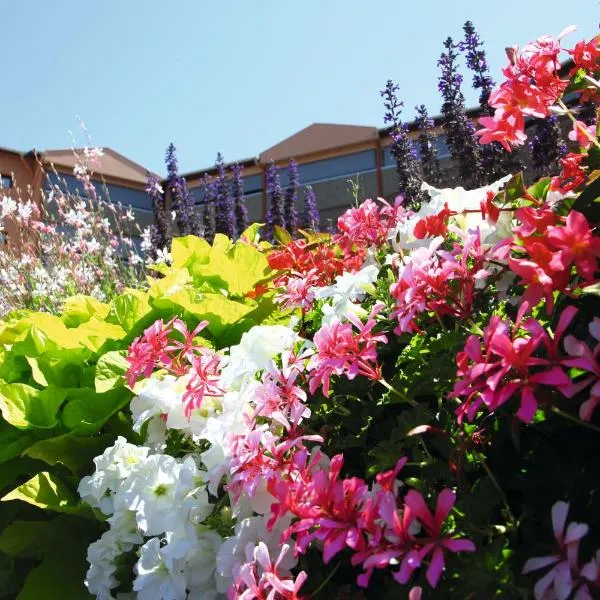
(577, 244)
(564, 576)
(582, 134)
(582, 357)
(437, 543)
(504, 363)
(339, 350)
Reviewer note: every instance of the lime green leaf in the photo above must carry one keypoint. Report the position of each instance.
(71, 450)
(250, 267)
(12, 441)
(220, 311)
(221, 244)
(282, 235)
(47, 491)
(592, 289)
(79, 309)
(26, 407)
(110, 370)
(251, 234)
(86, 411)
(188, 250)
(36, 371)
(129, 308)
(59, 576)
(171, 284)
(29, 539)
(55, 372)
(94, 333)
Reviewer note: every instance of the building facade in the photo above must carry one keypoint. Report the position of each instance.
(331, 158)
(34, 176)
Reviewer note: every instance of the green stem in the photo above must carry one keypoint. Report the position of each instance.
(326, 580)
(592, 138)
(573, 419)
(500, 490)
(392, 389)
(591, 80)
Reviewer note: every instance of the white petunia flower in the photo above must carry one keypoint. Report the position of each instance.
(150, 492)
(154, 578)
(347, 289)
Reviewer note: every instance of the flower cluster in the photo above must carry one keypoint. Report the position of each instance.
(532, 87)
(68, 242)
(567, 575)
(399, 418)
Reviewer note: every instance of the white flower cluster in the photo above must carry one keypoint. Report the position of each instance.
(346, 293)
(157, 505)
(458, 200)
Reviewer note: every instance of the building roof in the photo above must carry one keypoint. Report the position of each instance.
(112, 163)
(318, 137)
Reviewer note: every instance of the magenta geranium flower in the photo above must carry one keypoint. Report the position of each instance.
(437, 542)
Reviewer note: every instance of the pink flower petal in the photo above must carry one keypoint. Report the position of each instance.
(575, 531)
(559, 518)
(435, 567)
(533, 564)
(445, 502)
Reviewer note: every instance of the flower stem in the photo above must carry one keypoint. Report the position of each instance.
(592, 138)
(593, 81)
(392, 389)
(326, 580)
(500, 490)
(573, 419)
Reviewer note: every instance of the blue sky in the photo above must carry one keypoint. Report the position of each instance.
(236, 77)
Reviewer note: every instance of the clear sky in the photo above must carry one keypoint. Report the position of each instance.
(236, 76)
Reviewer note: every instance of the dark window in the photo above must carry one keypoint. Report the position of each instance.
(443, 151)
(331, 168)
(116, 193)
(253, 183)
(6, 182)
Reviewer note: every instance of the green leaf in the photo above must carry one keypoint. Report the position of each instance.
(282, 235)
(29, 539)
(45, 490)
(87, 411)
(539, 189)
(220, 311)
(592, 289)
(94, 333)
(587, 202)
(71, 450)
(188, 250)
(36, 371)
(129, 309)
(515, 188)
(8, 580)
(250, 267)
(79, 309)
(12, 441)
(251, 234)
(13, 469)
(236, 268)
(60, 576)
(110, 369)
(169, 285)
(26, 407)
